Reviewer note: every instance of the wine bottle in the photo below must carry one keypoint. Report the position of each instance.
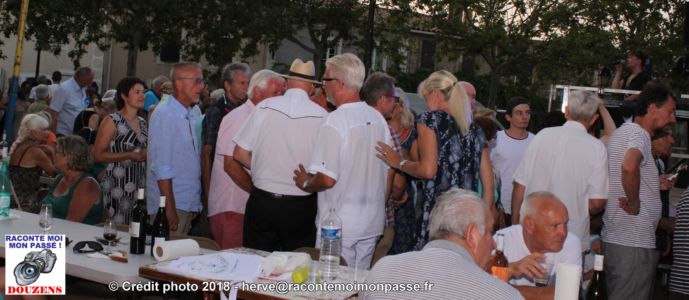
(138, 224)
(161, 230)
(499, 262)
(597, 290)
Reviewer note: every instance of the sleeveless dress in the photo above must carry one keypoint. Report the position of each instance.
(26, 184)
(459, 163)
(61, 203)
(123, 178)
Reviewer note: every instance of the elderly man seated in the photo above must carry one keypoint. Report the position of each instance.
(453, 263)
(541, 238)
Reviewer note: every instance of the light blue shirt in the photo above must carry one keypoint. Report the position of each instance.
(151, 99)
(173, 154)
(68, 102)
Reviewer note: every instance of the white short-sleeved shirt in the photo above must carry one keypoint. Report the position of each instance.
(345, 151)
(280, 134)
(515, 249)
(68, 102)
(571, 164)
(506, 156)
(619, 227)
(224, 194)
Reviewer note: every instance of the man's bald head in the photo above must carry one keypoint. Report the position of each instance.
(544, 218)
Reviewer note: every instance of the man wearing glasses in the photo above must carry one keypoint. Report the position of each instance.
(174, 157)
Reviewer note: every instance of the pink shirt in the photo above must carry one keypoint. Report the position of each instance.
(225, 194)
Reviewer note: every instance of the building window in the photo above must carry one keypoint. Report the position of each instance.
(427, 54)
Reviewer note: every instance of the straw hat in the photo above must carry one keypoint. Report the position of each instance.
(304, 71)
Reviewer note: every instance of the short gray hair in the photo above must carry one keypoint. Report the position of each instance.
(76, 148)
(529, 207)
(378, 84)
(83, 71)
(454, 211)
(183, 66)
(158, 81)
(349, 69)
(261, 79)
(42, 92)
(230, 70)
(582, 105)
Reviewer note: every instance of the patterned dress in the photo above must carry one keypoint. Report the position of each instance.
(405, 216)
(459, 163)
(26, 182)
(123, 178)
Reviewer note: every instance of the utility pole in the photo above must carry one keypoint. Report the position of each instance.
(14, 84)
(368, 56)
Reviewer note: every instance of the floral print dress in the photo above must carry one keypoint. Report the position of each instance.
(459, 163)
(123, 178)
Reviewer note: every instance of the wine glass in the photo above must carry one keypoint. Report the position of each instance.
(45, 217)
(109, 233)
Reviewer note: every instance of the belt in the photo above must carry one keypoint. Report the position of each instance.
(278, 196)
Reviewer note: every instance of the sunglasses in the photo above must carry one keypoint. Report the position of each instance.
(197, 80)
(81, 247)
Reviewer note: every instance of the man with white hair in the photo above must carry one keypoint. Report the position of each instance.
(155, 94)
(344, 168)
(42, 94)
(279, 134)
(542, 237)
(69, 100)
(230, 183)
(568, 162)
(452, 265)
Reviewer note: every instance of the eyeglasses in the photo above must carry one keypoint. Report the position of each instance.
(397, 99)
(326, 79)
(197, 80)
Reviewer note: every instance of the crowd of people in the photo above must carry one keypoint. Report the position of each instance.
(262, 160)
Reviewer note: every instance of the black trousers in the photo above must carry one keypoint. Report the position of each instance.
(274, 222)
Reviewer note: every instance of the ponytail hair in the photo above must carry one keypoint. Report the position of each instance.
(453, 93)
(29, 122)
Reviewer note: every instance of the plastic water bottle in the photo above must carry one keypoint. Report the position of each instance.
(331, 246)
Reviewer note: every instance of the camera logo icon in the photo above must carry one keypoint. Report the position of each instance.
(35, 263)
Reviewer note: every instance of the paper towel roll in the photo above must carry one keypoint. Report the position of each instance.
(567, 280)
(169, 250)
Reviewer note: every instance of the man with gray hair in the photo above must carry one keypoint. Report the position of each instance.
(452, 265)
(541, 238)
(568, 162)
(279, 134)
(235, 78)
(230, 182)
(154, 95)
(42, 94)
(69, 100)
(344, 168)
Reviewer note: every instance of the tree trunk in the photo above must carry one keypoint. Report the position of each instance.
(493, 89)
(318, 55)
(133, 53)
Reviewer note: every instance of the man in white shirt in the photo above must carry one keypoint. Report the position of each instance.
(634, 206)
(568, 162)
(510, 145)
(541, 238)
(68, 101)
(280, 134)
(230, 183)
(344, 168)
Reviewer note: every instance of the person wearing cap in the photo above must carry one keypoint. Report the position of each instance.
(379, 92)
(344, 168)
(278, 135)
(510, 145)
(568, 162)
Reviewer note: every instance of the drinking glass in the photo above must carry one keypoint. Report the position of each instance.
(45, 217)
(546, 280)
(109, 233)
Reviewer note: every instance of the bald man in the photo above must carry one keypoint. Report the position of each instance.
(541, 237)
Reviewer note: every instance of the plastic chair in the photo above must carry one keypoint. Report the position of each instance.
(204, 243)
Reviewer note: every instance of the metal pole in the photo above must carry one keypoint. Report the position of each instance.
(14, 85)
(369, 35)
(38, 62)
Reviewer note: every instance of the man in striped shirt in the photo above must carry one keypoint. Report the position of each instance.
(633, 208)
(679, 277)
(453, 262)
